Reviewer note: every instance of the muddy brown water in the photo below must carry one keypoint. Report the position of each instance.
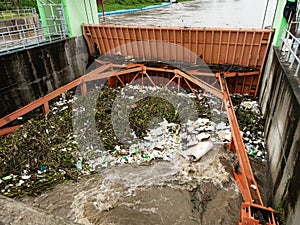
(203, 13)
(161, 193)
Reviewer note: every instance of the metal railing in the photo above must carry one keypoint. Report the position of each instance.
(29, 34)
(23, 38)
(289, 47)
(17, 13)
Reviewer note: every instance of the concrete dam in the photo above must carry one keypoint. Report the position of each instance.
(46, 75)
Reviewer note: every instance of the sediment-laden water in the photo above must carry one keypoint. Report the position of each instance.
(203, 13)
(175, 192)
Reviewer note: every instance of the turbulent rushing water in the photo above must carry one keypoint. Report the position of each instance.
(181, 187)
(162, 193)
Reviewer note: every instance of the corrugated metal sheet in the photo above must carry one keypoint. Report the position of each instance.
(245, 47)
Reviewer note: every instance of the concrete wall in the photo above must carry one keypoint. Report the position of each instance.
(27, 75)
(280, 102)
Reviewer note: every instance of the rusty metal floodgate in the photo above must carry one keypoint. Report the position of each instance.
(242, 52)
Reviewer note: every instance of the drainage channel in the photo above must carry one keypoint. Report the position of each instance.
(188, 158)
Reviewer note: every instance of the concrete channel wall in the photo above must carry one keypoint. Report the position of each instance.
(280, 102)
(30, 74)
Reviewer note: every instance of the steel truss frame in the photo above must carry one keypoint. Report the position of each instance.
(244, 177)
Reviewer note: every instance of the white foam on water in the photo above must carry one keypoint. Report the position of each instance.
(117, 183)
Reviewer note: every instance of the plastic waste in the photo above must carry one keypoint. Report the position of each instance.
(79, 164)
(20, 182)
(7, 177)
(104, 159)
(25, 177)
(224, 135)
(221, 126)
(42, 168)
(202, 136)
(198, 151)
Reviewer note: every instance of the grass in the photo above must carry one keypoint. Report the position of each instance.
(112, 5)
(115, 6)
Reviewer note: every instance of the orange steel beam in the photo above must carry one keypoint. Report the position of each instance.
(245, 178)
(121, 81)
(145, 73)
(240, 74)
(45, 99)
(160, 69)
(99, 73)
(8, 130)
(170, 81)
(201, 84)
(190, 87)
(97, 76)
(83, 88)
(247, 214)
(46, 108)
(39, 102)
(96, 73)
(132, 70)
(133, 79)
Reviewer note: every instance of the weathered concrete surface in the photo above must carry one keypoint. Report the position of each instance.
(280, 101)
(30, 74)
(18, 213)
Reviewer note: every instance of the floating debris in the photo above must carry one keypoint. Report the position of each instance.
(40, 154)
(7, 178)
(156, 124)
(44, 151)
(251, 124)
(196, 152)
(224, 135)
